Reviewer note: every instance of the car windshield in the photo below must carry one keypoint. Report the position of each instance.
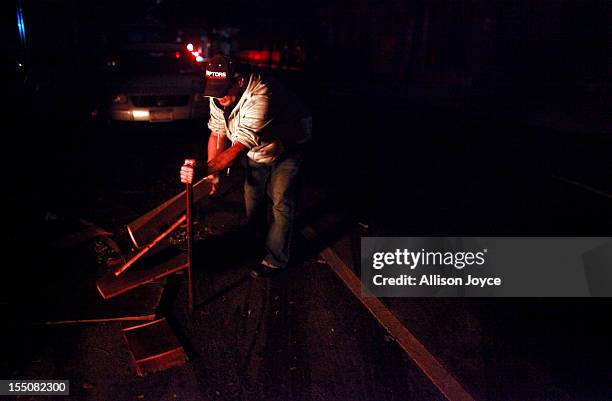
(155, 62)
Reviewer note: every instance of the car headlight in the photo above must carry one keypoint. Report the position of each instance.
(199, 97)
(119, 99)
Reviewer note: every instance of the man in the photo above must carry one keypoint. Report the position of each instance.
(267, 123)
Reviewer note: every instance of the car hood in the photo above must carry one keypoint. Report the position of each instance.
(158, 84)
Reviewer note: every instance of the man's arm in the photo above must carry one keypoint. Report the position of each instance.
(216, 144)
(221, 161)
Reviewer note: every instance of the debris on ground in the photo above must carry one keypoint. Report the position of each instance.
(105, 254)
(50, 216)
(179, 236)
(388, 338)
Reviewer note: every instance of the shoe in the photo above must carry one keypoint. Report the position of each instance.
(264, 270)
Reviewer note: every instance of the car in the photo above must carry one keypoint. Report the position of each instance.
(154, 82)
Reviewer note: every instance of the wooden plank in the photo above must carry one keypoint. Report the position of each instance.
(154, 347)
(139, 254)
(111, 285)
(148, 317)
(431, 367)
(80, 307)
(147, 227)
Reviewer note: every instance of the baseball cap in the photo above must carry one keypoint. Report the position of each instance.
(219, 75)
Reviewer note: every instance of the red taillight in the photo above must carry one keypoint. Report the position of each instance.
(177, 54)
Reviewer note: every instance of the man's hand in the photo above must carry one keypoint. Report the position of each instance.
(187, 175)
(187, 171)
(213, 179)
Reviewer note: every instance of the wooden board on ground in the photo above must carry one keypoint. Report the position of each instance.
(146, 271)
(444, 381)
(154, 346)
(146, 228)
(139, 305)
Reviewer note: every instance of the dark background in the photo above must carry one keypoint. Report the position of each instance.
(435, 93)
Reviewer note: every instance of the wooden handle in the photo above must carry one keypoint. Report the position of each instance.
(189, 214)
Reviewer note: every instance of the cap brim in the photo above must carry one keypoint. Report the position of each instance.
(216, 88)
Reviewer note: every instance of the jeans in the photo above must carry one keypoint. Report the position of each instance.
(278, 182)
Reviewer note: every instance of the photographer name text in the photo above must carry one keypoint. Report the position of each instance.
(434, 280)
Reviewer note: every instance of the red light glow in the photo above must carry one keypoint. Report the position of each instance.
(260, 56)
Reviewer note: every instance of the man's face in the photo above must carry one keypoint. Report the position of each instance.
(232, 94)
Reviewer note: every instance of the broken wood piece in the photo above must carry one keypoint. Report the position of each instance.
(84, 235)
(154, 347)
(111, 285)
(147, 248)
(145, 228)
(85, 306)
